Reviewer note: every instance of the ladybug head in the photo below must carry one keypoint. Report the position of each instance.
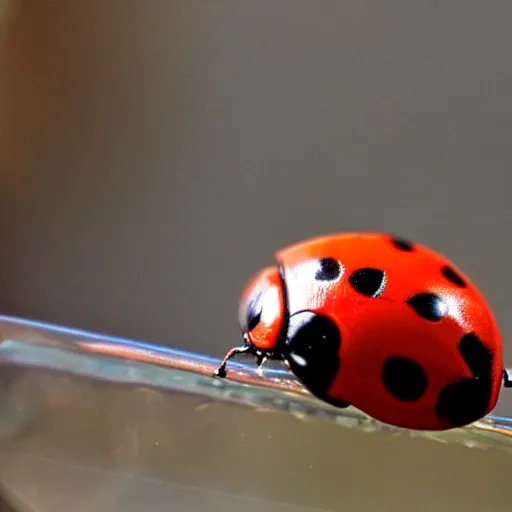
(262, 310)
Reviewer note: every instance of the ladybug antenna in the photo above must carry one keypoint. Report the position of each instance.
(507, 381)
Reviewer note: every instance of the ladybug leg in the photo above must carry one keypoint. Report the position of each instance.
(261, 359)
(507, 381)
(235, 351)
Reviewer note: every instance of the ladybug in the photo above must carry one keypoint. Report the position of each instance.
(375, 321)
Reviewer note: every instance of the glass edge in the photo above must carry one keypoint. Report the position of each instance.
(58, 349)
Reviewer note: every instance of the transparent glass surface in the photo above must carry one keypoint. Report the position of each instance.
(99, 423)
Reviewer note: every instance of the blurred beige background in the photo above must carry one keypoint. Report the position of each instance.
(154, 154)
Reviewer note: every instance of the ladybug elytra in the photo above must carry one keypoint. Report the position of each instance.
(388, 326)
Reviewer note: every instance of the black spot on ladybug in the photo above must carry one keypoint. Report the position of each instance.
(312, 353)
(453, 276)
(428, 305)
(462, 402)
(402, 244)
(329, 270)
(477, 356)
(368, 281)
(467, 400)
(404, 379)
(254, 308)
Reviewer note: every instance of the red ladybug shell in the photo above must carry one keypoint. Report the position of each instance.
(390, 327)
